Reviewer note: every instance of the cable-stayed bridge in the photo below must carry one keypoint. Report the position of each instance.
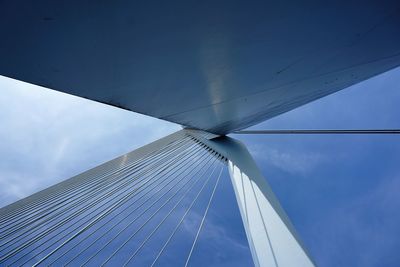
(118, 207)
(213, 67)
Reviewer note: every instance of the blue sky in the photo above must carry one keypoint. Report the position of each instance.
(341, 192)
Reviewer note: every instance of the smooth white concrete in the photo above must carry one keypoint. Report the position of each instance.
(272, 238)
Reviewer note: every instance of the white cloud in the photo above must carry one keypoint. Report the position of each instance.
(47, 136)
(369, 222)
(290, 160)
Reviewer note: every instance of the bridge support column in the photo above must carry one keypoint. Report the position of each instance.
(272, 238)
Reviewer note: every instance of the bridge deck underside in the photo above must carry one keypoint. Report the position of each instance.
(215, 66)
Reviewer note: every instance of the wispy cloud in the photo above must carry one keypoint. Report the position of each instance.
(213, 232)
(294, 162)
(216, 245)
(368, 223)
(49, 136)
(346, 206)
